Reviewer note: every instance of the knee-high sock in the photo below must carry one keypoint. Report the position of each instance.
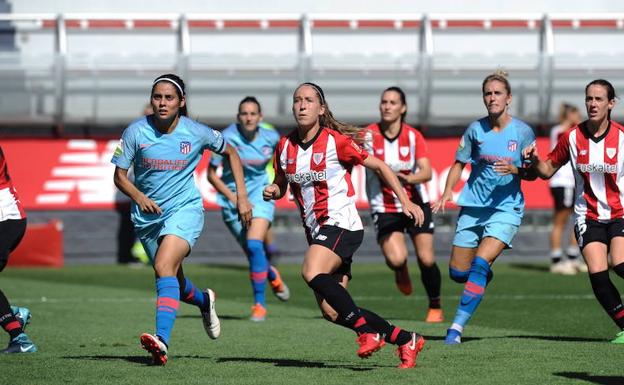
(258, 269)
(473, 293)
(189, 293)
(167, 303)
(7, 319)
(339, 299)
(460, 276)
(272, 273)
(608, 296)
(431, 280)
(619, 269)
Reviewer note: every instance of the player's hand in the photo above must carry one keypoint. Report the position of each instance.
(441, 203)
(244, 211)
(414, 211)
(529, 154)
(147, 205)
(403, 178)
(270, 192)
(503, 167)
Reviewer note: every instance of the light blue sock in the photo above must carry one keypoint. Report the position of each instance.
(473, 293)
(258, 269)
(192, 295)
(167, 303)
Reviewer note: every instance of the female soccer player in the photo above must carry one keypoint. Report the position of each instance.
(12, 228)
(402, 148)
(316, 161)
(562, 191)
(492, 204)
(167, 208)
(595, 149)
(254, 145)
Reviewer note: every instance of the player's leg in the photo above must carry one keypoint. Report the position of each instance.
(429, 274)
(390, 228)
(258, 265)
(204, 300)
(11, 233)
(559, 264)
(617, 257)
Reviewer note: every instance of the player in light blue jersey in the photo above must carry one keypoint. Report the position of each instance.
(255, 145)
(167, 209)
(492, 204)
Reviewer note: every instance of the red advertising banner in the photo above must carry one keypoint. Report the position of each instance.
(77, 174)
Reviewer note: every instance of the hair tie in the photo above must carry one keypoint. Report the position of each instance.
(171, 81)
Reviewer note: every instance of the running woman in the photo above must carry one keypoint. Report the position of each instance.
(255, 146)
(167, 209)
(404, 150)
(492, 204)
(13, 319)
(316, 161)
(595, 148)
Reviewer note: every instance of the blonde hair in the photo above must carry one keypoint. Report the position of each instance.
(498, 75)
(564, 110)
(328, 120)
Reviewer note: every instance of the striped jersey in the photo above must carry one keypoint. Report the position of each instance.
(10, 205)
(319, 175)
(564, 177)
(597, 164)
(400, 154)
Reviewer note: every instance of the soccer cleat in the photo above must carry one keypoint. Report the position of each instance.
(369, 344)
(155, 347)
(22, 314)
(20, 344)
(209, 316)
(403, 281)
(563, 268)
(279, 287)
(258, 313)
(619, 338)
(434, 316)
(453, 337)
(408, 353)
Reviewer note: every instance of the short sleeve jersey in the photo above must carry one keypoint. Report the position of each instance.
(564, 177)
(598, 164)
(401, 155)
(482, 147)
(164, 163)
(10, 205)
(255, 155)
(319, 175)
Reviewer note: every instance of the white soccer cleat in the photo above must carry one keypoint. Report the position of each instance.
(563, 268)
(209, 316)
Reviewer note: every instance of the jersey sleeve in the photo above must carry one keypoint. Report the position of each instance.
(213, 140)
(561, 153)
(421, 146)
(276, 159)
(348, 151)
(126, 149)
(528, 138)
(464, 150)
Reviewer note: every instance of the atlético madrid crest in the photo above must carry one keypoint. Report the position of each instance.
(185, 147)
(512, 145)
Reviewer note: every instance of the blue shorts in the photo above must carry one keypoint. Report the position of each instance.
(476, 223)
(261, 209)
(186, 223)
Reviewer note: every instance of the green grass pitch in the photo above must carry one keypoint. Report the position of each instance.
(531, 328)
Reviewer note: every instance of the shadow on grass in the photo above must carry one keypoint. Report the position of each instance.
(604, 380)
(144, 359)
(558, 338)
(531, 267)
(221, 317)
(291, 363)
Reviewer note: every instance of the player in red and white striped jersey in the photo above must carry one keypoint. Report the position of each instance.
(404, 150)
(12, 229)
(594, 147)
(316, 161)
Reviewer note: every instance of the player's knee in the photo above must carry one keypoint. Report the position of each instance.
(329, 314)
(619, 269)
(459, 276)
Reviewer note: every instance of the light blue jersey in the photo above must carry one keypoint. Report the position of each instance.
(163, 168)
(481, 147)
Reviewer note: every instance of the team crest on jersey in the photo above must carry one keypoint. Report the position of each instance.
(266, 150)
(379, 151)
(404, 150)
(317, 157)
(611, 152)
(583, 152)
(185, 147)
(512, 145)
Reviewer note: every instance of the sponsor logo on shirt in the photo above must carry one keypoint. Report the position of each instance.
(601, 167)
(398, 166)
(306, 177)
(357, 147)
(119, 148)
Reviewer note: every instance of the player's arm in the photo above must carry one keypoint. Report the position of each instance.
(390, 179)
(503, 167)
(545, 169)
(421, 176)
(124, 185)
(451, 180)
(277, 189)
(218, 184)
(242, 202)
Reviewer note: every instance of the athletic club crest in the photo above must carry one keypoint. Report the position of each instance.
(185, 147)
(317, 157)
(611, 152)
(512, 145)
(404, 151)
